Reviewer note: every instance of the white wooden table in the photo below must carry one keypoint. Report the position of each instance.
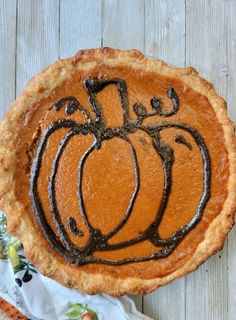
(201, 33)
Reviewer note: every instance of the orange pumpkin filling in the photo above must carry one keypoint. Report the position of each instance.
(110, 173)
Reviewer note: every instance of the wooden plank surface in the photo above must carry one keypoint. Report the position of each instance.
(165, 39)
(206, 289)
(123, 24)
(80, 26)
(37, 38)
(7, 53)
(165, 30)
(230, 13)
(200, 33)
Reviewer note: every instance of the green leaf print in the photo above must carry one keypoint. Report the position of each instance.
(5, 239)
(80, 311)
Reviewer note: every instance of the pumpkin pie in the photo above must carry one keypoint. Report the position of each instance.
(118, 172)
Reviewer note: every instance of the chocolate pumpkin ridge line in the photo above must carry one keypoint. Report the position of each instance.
(37, 205)
(181, 140)
(98, 241)
(97, 233)
(52, 195)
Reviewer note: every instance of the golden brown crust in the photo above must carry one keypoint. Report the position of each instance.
(9, 312)
(18, 221)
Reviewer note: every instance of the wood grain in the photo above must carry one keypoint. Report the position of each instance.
(123, 24)
(206, 289)
(7, 53)
(231, 99)
(165, 39)
(80, 26)
(165, 30)
(37, 38)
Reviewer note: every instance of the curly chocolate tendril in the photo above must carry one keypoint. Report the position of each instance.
(97, 128)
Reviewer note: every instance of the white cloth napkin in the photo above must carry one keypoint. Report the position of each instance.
(39, 297)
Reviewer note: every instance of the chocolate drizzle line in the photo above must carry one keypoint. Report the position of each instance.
(180, 139)
(97, 128)
(73, 227)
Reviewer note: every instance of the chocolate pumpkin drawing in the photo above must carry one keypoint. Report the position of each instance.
(97, 128)
(118, 172)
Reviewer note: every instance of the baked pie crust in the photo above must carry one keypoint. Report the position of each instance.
(152, 154)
